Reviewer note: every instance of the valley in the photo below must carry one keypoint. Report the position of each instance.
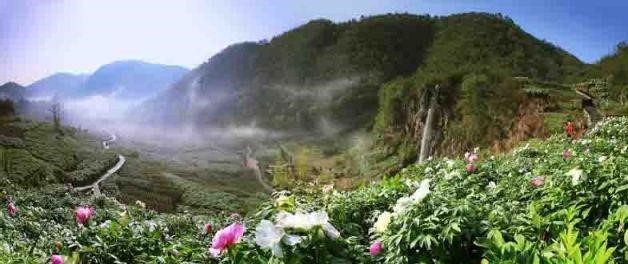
(393, 138)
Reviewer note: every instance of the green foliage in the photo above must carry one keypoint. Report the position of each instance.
(555, 122)
(91, 168)
(473, 58)
(576, 214)
(33, 154)
(7, 108)
(613, 68)
(615, 64)
(463, 209)
(281, 174)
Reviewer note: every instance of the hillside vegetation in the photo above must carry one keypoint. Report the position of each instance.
(552, 201)
(355, 104)
(326, 81)
(35, 154)
(324, 74)
(173, 187)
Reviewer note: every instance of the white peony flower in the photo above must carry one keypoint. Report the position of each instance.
(268, 236)
(575, 174)
(383, 220)
(331, 231)
(307, 221)
(422, 191)
(404, 202)
(291, 240)
(492, 185)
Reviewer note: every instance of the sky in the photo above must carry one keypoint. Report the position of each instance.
(42, 37)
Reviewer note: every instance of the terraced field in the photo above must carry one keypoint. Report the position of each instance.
(35, 154)
(205, 179)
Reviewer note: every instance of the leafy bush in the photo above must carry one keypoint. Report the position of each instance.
(552, 201)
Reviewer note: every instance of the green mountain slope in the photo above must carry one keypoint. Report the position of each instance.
(473, 61)
(614, 70)
(35, 154)
(315, 72)
(323, 71)
(535, 205)
(374, 74)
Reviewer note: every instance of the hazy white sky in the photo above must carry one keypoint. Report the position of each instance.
(41, 37)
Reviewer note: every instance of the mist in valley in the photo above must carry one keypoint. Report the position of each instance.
(194, 144)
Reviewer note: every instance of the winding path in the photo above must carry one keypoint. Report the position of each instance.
(112, 138)
(121, 160)
(252, 163)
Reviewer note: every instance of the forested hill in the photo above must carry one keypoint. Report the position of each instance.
(325, 72)
(498, 84)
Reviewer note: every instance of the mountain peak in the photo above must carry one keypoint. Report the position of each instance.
(127, 78)
(11, 85)
(134, 63)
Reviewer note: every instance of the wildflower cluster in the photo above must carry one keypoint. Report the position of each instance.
(551, 201)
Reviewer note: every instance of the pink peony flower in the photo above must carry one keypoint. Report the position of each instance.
(537, 181)
(470, 168)
(82, 214)
(56, 259)
(471, 157)
(566, 154)
(375, 248)
(207, 228)
(11, 209)
(225, 238)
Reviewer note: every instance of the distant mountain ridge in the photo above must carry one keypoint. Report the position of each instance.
(124, 80)
(12, 91)
(131, 79)
(58, 84)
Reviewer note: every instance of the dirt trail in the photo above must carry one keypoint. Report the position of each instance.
(253, 164)
(121, 160)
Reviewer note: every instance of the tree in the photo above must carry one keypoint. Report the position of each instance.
(55, 109)
(7, 108)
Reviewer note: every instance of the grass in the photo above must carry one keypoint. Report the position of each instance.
(192, 182)
(34, 154)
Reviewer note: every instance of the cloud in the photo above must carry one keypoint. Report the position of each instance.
(97, 107)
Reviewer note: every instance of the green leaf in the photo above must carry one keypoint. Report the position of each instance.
(622, 188)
